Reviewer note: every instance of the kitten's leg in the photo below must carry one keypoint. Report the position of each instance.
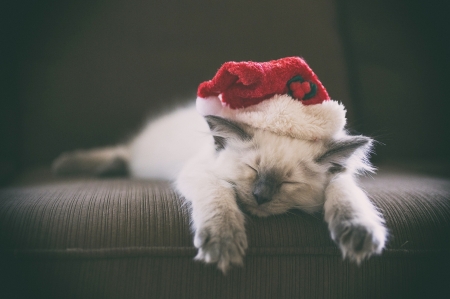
(99, 162)
(217, 221)
(355, 224)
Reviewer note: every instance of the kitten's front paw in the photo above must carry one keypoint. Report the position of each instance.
(224, 245)
(357, 240)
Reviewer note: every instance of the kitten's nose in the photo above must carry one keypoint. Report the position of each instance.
(260, 199)
(262, 194)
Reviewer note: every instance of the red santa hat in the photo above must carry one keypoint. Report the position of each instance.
(282, 96)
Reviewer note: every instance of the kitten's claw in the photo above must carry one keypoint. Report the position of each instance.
(222, 245)
(359, 241)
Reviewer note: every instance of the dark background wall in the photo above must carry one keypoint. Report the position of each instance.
(398, 56)
(78, 74)
(87, 73)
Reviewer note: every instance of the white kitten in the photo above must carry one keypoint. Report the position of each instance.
(221, 167)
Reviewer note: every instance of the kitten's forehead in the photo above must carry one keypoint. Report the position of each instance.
(272, 148)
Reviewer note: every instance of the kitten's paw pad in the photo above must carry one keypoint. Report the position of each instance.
(224, 246)
(359, 241)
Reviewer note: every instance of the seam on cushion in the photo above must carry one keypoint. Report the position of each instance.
(135, 252)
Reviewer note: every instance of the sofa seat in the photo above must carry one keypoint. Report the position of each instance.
(126, 238)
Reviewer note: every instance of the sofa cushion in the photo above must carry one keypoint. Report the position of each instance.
(123, 238)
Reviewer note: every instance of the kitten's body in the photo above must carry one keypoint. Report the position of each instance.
(221, 167)
(165, 144)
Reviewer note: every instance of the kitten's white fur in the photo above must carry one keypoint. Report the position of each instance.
(165, 144)
(310, 175)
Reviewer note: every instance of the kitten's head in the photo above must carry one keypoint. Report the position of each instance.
(272, 174)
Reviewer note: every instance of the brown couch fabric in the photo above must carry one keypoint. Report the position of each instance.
(123, 238)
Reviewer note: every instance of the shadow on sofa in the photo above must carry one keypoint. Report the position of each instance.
(85, 74)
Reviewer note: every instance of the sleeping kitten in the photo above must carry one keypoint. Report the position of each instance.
(221, 167)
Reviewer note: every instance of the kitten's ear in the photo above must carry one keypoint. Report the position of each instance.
(223, 130)
(339, 151)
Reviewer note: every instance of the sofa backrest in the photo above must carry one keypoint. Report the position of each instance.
(92, 71)
(80, 74)
(398, 58)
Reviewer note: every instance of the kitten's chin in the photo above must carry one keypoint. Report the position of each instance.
(262, 212)
(258, 212)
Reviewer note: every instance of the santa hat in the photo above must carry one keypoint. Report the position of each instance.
(282, 96)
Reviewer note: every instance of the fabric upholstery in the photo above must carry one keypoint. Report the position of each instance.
(121, 238)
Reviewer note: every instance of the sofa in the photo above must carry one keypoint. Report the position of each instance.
(82, 74)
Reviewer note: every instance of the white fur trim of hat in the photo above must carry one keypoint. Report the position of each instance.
(283, 115)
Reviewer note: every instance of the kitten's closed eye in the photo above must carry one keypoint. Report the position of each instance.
(252, 167)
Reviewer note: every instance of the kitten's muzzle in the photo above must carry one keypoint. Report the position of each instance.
(264, 190)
